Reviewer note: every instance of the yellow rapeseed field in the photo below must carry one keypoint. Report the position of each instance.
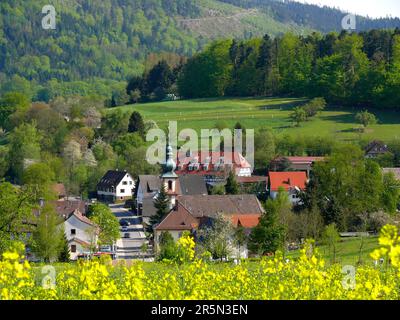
(306, 278)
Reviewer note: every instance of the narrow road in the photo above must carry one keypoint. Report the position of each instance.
(132, 238)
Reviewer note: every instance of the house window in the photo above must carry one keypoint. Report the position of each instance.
(169, 185)
(73, 232)
(73, 248)
(130, 182)
(125, 183)
(122, 191)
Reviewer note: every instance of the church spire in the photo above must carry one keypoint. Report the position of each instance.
(170, 165)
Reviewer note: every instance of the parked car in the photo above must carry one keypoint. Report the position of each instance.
(129, 204)
(124, 223)
(124, 228)
(127, 235)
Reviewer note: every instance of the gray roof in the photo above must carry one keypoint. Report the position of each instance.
(209, 205)
(150, 184)
(192, 185)
(148, 209)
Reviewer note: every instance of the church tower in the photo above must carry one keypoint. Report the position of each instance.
(169, 177)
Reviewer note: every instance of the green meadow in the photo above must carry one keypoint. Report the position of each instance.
(273, 113)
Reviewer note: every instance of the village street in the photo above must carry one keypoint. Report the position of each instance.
(129, 247)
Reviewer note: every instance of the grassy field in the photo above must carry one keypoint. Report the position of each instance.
(348, 251)
(274, 113)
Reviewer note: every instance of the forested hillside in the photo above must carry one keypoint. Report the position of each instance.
(323, 19)
(98, 44)
(354, 69)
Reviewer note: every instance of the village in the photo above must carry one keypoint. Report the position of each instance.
(187, 181)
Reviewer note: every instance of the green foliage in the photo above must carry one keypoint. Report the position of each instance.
(161, 203)
(268, 235)
(24, 145)
(345, 186)
(10, 103)
(208, 73)
(218, 190)
(365, 118)
(298, 115)
(331, 238)
(168, 248)
(48, 234)
(232, 186)
(215, 236)
(136, 124)
(314, 107)
(41, 176)
(107, 223)
(391, 193)
(64, 254)
(16, 205)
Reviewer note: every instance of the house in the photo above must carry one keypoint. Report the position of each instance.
(294, 164)
(191, 212)
(115, 186)
(375, 149)
(81, 234)
(291, 182)
(214, 166)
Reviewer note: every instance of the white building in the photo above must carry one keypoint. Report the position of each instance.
(81, 234)
(115, 186)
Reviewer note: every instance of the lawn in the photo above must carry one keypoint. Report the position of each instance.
(348, 251)
(274, 113)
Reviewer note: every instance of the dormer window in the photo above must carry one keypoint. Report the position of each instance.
(169, 185)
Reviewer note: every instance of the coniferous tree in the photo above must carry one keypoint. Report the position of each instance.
(64, 255)
(232, 186)
(136, 124)
(161, 203)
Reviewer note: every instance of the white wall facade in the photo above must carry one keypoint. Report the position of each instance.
(77, 229)
(123, 190)
(293, 198)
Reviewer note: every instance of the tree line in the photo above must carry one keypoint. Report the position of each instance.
(350, 69)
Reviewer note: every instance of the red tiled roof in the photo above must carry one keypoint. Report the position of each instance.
(246, 221)
(178, 219)
(287, 180)
(233, 160)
